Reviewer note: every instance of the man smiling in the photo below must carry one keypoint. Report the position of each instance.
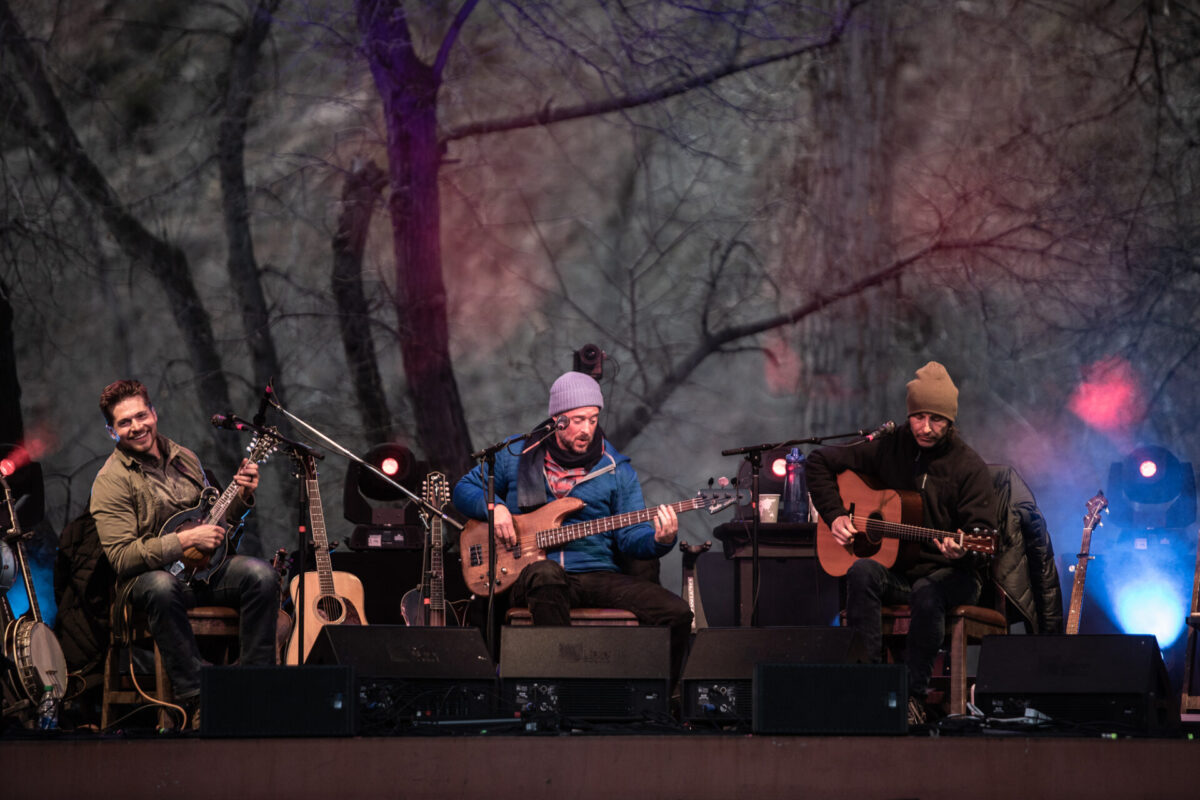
(147, 480)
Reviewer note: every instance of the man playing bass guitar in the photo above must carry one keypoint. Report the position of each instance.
(927, 458)
(575, 461)
(147, 481)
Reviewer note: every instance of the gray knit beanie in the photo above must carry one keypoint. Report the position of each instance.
(574, 390)
(932, 391)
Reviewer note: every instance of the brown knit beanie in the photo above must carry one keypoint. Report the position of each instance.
(932, 391)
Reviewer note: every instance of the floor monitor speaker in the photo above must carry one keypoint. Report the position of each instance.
(587, 673)
(719, 672)
(277, 701)
(1107, 683)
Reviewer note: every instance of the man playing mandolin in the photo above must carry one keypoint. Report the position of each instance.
(926, 457)
(146, 481)
(577, 461)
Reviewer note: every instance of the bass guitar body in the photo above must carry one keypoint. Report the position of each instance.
(335, 598)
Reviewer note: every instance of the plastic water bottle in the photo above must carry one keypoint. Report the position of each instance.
(794, 507)
(48, 710)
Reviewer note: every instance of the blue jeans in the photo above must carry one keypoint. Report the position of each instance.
(870, 585)
(248, 584)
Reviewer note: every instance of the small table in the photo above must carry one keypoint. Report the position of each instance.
(775, 540)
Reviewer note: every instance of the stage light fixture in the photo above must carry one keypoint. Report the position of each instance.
(367, 499)
(24, 477)
(589, 360)
(1151, 488)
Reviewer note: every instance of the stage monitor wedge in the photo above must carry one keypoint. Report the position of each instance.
(408, 675)
(1100, 683)
(719, 672)
(585, 673)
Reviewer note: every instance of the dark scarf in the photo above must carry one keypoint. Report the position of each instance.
(531, 480)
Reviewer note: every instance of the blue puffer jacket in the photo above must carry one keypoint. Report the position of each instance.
(610, 488)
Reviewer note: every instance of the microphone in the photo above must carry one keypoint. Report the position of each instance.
(229, 422)
(261, 416)
(558, 423)
(882, 430)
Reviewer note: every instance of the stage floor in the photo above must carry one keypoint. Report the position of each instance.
(690, 765)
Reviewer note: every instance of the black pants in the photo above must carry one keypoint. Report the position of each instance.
(247, 584)
(870, 585)
(551, 593)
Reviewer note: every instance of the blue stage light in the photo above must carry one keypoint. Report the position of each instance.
(1151, 605)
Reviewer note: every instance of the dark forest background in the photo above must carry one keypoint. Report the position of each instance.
(767, 214)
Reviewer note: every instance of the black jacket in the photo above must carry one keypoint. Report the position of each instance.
(1024, 568)
(952, 480)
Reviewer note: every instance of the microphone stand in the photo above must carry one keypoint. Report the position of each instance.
(333, 445)
(754, 454)
(304, 454)
(487, 459)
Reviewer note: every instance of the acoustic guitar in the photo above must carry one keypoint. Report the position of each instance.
(885, 519)
(330, 598)
(1090, 520)
(543, 529)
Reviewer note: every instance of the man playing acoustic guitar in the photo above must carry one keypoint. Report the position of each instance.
(577, 462)
(925, 457)
(146, 481)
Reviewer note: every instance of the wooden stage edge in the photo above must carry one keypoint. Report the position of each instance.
(692, 766)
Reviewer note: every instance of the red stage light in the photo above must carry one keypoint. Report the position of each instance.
(389, 466)
(1148, 469)
(779, 467)
(7, 467)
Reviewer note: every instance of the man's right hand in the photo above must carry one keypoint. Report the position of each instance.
(205, 538)
(843, 530)
(506, 532)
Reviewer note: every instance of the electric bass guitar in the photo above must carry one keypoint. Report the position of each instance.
(543, 529)
(211, 510)
(330, 598)
(1090, 520)
(426, 604)
(887, 534)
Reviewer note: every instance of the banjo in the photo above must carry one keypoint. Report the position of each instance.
(28, 641)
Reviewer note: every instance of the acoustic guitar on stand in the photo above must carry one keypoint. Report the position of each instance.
(330, 598)
(1090, 521)
(885, 519)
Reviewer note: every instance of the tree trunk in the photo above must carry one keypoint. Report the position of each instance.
(53, 139)
(363, 187)
(12, 425)
(408, 88)
(244, 274)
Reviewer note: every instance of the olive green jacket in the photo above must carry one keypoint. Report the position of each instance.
(127, 512)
